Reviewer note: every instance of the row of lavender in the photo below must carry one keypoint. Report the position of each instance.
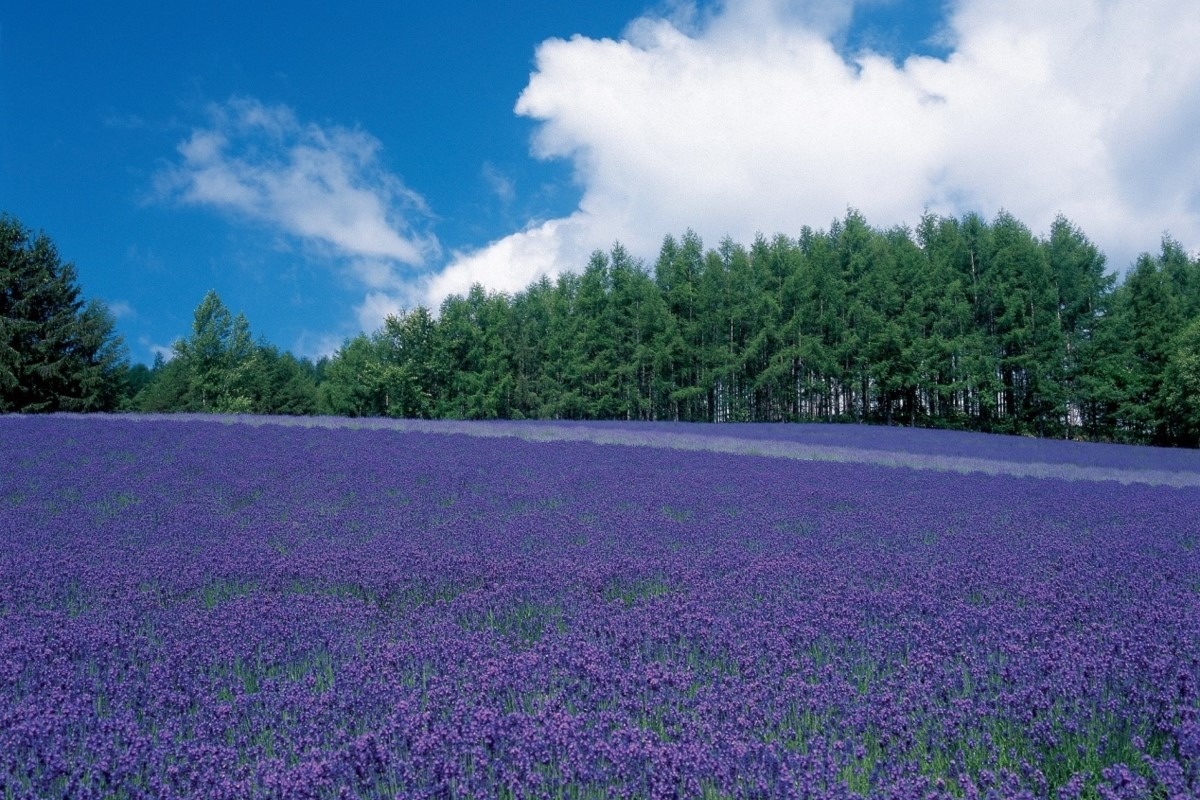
(944, 450)
(198, 609)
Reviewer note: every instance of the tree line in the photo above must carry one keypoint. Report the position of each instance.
(961, 323)
(220, 369)
(59, 352)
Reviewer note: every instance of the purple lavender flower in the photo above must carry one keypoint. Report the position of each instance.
(194, 608)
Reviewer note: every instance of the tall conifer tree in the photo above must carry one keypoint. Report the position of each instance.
(57, 352)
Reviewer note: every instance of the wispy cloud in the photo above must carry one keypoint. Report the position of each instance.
(166, 351)
(375, 308)
(318, 345)
(324, 186)
(144, 258)
(321, 184)
(122, 309)
(746, 116)
(500, 184)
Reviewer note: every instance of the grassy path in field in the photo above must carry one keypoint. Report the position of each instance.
(718, 443)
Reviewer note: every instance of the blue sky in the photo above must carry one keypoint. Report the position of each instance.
(321, 168)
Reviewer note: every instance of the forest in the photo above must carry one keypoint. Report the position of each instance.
(961, 323)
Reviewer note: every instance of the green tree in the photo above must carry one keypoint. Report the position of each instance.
(892, 290)
(1183, 276)
(137, 378)
(1026, 331)
(775, 379)
(677, 273)
(640, 331)
(594, 358)
(474, 345)
(354, 382)
(534, 391)
(277, 382)
(960, 323)
(564, 395)
(57, 352)
(204, 355)
(217, 360)
(1107, 377)
(819, 330)
(167, 388)
(1083, 291)
(1152, 318)
(406, 346)
(1182, 385)
(947, 325)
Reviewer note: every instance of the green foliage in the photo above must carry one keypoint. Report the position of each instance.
(220, 369)
(167, 388)
(1181, 384)
(1148, 313)
(215, 359)
(57, 352)
(351, 385)
(961, 323)
(472, 354)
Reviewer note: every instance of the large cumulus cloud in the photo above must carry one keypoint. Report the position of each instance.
(750, 118)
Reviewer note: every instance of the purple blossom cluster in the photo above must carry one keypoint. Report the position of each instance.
(198, 609)
(956, 451)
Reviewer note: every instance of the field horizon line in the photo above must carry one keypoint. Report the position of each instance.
(610, 434)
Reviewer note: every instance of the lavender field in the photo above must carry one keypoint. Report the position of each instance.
(204, 609)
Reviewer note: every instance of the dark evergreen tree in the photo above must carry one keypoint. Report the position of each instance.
(533, 390)
(1181, 386)
(137, 377)
(1152, 319)
(279, 383)
(951, 338)
(475, 344)
(1084, 292)
(57, 352)
(593, 367)
(893, 355)
(821, 331)
(677, 274)
(1026, 332)
(775, 381)
(167, 389)
(637, 315)
(564, 396)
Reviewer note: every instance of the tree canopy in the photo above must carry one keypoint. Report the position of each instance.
(58, 352)
(961, 323)
(220, 369)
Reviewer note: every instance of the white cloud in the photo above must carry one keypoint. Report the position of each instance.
(500, 184)
(746, 118)
(513, 262)
(122, 309)
(375, 273)
(375, 308)
(317, 345)
(324, 186)
(166, 351)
